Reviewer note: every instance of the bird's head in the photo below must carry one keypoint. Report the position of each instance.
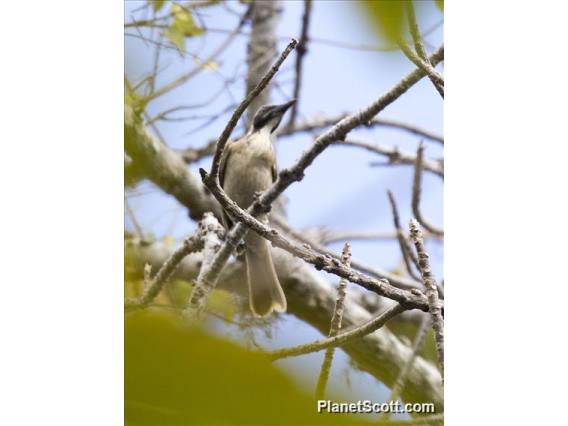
(269, 116)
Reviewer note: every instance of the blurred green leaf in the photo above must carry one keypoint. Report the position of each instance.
(176, 38)
(440, 4)
(184, 22)
(174, 374)
(183, 25)
(387, 17)
(157, 4)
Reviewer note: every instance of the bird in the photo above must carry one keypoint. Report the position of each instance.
(247, 168)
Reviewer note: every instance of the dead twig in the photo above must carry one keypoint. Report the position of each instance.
(417, 191)
(336, 320)
(431, 291)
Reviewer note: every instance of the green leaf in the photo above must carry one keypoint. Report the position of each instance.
(183, 25)
(184, 22)
(387, 16)
(440, 5)
(177, 375)
(157, 4)
(176, 38)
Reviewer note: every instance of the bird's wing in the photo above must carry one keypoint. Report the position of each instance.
(223, 163)
(274, 170)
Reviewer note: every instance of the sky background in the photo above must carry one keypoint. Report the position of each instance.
(340, 190)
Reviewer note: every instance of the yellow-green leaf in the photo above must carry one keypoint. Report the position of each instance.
(157, 4)
(387, 16)
(176, 375)
(184, 22)
(440, 4)
(176, 38)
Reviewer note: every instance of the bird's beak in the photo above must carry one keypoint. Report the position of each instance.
(284, 107)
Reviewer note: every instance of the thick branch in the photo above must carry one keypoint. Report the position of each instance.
(261, 49)
(165, 168)
(312, 300)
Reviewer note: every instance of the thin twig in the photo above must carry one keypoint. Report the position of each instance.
(407, 254)
(417, 39)
(433, 75)
(395, 280)
(318, 123)
(195, 154)
(417, 346)
(300, 52)
(431, 290)
(207, 226)
(336, 320)
(396, 156)
(417, 190)
(360, 331)
(185, 77)
(133, 219)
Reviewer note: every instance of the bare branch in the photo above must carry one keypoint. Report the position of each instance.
(410, 299)
(395, 280)
(395, 156)
(417, 39)
(433, 75)
(204, 285)
(417, 190)
(431, 290)
(318, 123)
(300, 52)
(312, 299)
(261, 49)
(335, 326)
(407, 254)
(328, 236)
(340, 339)
(338, 132)
(419, 341)
(208, 229)
(164, 167)
(195, 154)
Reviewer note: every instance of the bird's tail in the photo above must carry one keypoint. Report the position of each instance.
(265, 292)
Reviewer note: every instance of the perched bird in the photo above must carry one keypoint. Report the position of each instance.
(248, 166)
